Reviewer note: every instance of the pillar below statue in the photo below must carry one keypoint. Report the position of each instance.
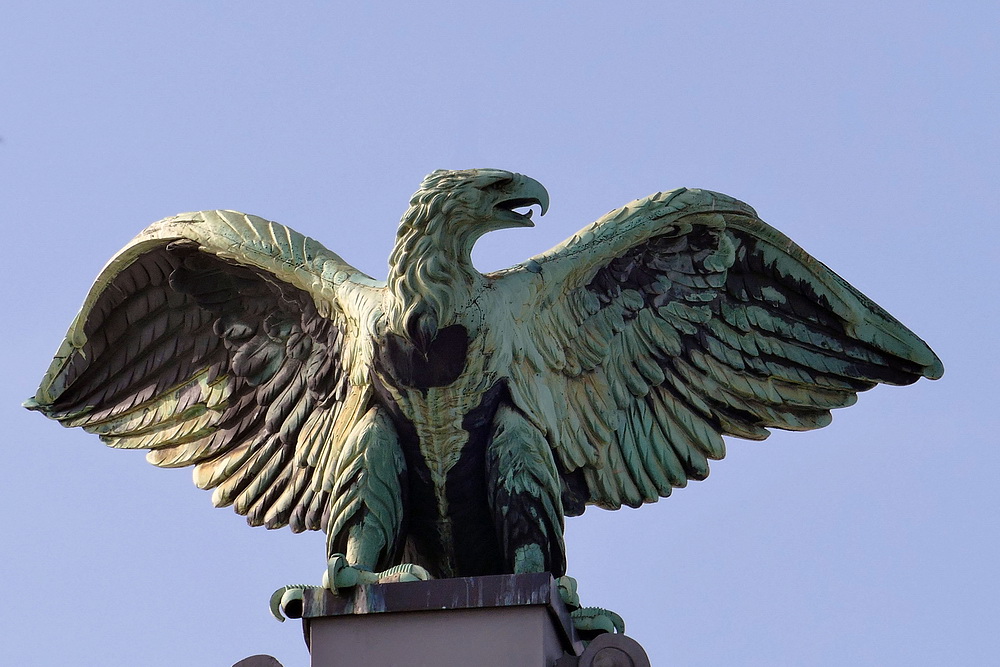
(500, 621)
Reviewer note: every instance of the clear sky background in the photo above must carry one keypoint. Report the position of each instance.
(866, 131)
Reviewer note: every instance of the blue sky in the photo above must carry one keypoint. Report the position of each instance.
(867, 132)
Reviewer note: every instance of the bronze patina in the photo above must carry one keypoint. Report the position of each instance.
(444, 422)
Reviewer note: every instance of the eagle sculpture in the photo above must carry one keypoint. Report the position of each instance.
(451, 419)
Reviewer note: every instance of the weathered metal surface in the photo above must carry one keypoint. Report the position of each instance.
(450, 418)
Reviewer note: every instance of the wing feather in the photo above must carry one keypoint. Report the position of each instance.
(680, 318)
(217, 340)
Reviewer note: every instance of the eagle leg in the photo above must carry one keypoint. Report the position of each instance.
(366, 516)
(365, 519)
(525, 495)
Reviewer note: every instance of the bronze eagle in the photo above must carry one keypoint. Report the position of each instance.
(450, 418)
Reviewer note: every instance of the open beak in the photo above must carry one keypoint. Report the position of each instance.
(521, 192)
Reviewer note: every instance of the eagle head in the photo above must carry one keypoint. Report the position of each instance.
(431, 262)
(468, 203)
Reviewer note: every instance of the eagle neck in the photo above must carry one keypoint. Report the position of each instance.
(431, 277)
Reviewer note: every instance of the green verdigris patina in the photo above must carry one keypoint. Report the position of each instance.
(450, 419)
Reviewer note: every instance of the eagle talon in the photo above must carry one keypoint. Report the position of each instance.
(592, 621)
(286, 602)
(588, 621)
(567, 591)
(340, 575)
(403, 573)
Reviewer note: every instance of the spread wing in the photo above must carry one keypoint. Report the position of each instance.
(676, 320)
(228, 343)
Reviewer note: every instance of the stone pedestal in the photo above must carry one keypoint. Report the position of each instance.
(495, 621)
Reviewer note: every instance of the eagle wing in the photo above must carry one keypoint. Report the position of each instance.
(675, 320)
(229, 343)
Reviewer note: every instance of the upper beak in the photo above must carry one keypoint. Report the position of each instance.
(522, 191)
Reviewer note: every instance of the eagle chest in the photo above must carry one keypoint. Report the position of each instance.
(410, 366)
